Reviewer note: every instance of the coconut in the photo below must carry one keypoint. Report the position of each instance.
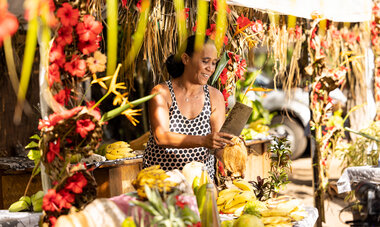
(234, 158)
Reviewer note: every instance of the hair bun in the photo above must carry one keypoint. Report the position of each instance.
(174, 66)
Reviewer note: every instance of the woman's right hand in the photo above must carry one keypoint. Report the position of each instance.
(217, 140)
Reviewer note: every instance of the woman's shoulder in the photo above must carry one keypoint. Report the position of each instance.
(162, 88)
(214, 93)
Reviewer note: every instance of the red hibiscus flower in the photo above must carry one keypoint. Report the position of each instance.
(68, 15)
(49, 200)
(8, 22)
(67, 199)
(76, 183)
(76, 67)
(243, 22)
(225, 95)
(223, 76)
(84, 126)
(52, 220)
(187, 12)
(63, 96)
(257, 26)
(54, 75)
(57, 55)
(211, 31)
(179, 202)
(124, 4)
(138, 5)
(65, 36)
(53, 150)
(89, 29)
(89, 46)
(95, 112)
(56, 117)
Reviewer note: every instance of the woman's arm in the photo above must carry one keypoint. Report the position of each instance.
(159, 120)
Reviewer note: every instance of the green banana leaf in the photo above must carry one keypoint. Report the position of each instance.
(219, 68)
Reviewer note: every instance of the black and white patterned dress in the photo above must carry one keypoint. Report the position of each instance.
(177, 158)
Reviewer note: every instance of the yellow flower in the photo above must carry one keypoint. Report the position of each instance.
(129, 113)
(100, 81)
(97, 63)
(119, 99)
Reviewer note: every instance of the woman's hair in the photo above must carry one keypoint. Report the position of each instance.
(175, 65)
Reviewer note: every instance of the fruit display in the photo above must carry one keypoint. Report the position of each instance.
(26, 203)
(235, 158)
(155, 178)
(233, 200)
(118, 150)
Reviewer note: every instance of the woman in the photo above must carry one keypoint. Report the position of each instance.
(187, 114)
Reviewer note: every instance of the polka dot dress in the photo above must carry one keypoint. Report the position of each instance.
(177, 158)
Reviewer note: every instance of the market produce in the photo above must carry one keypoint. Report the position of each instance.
(248, 220)
(118, 150)
(36, 200)
(233, 200)
(192, 170)
(155, 178)
(235, 157)
(255, 207)
(100, 212)
(18, 206)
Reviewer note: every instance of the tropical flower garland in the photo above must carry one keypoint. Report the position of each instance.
(8, 22)
(375, 37)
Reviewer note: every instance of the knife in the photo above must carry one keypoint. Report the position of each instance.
(236, 119)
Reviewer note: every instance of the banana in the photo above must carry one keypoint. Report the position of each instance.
(229, 190)
(226, 197)
(243, 185)
(20, 205)
(274, 212)
(241, 197)
(113, 157)
(232, 209)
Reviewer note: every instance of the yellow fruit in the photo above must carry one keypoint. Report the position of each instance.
(227, 197)
(232, 209)
(113, 157)
(241, 197)
(274, 212)
(229, 190)
(243, 185)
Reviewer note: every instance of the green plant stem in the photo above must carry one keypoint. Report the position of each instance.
(362, 134)
(32, 176)
(100, 100)
(112, 14)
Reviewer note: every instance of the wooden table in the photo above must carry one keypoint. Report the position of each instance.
(258, 163)
(112, 179)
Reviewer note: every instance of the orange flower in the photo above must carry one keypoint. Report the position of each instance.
(129, 113)
(97, 63)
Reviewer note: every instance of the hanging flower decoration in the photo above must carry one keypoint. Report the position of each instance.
(8, 22)
(375, 37)
(249, 33)
(234, 70)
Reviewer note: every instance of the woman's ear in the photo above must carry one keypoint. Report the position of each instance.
(185, 58)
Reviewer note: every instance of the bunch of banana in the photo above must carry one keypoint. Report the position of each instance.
(282, 212)
(154, 177)
(26, 203)
(118, 150)
(233, 200)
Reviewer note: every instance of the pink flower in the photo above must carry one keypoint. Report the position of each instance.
(65, 36)
(63, 96)
(243, 22)
(76, 67)
(258, 26)
(223, 76)
(8, 22)
(89, 46)
(84, 126)
(49, 201)
(53, 150)
(57, 55)
(54, 75)
(89, 29)
(56, 117)
(76, 183)
(68, 15)
(95, 112)
(66, 199)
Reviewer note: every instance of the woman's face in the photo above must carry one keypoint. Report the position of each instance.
(202, 64)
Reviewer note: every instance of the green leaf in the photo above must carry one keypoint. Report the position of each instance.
(34, 155)
(112, 14)
(35, 137)
(117, 111)
(219, 68)
(31, 145)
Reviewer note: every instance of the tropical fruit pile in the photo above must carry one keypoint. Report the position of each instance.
(154, 177)
(233, 200)
(282, 211)
(26, 203)
(118, 150)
